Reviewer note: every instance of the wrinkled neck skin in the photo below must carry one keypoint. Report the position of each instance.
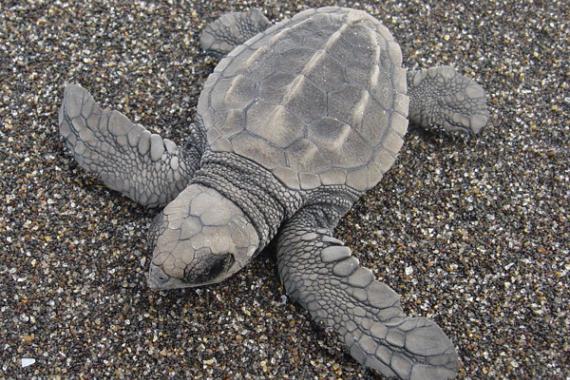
(194, 147)
(263, 199)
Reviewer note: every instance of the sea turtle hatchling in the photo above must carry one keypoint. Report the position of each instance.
(293, 126)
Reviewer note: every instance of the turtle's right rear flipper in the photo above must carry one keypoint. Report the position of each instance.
(231, 30)
(442, 98)
(125, 156)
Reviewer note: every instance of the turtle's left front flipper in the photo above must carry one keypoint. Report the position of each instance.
(125, 156)
(322, 275)
(442, 98)
(232, 29)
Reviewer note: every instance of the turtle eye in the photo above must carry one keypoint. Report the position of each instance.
(215, 265)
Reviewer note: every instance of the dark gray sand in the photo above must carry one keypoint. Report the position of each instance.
(474, 234)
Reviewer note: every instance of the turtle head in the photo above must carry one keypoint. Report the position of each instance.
(200, 238)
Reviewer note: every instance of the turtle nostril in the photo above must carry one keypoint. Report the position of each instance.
(157, 275)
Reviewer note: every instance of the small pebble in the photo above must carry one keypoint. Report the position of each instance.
(26, 362)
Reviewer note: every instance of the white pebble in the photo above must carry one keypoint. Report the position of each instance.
(26, 362)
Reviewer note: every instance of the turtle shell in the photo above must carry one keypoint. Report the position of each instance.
(319, 99)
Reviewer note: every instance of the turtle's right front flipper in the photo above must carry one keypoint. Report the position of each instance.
(142, 166)
(232, 29)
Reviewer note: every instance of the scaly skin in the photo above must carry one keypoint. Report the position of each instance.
(442, 98)
(146, 168)
(322, 275)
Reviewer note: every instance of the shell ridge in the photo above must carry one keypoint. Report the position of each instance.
(313, 62)
(359, 109)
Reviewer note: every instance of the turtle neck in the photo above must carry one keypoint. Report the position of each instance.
(263, 198)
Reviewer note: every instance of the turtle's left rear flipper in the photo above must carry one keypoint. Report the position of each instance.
(232, 29)
(125, 156)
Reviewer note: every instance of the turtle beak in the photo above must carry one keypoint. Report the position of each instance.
(158, 280)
